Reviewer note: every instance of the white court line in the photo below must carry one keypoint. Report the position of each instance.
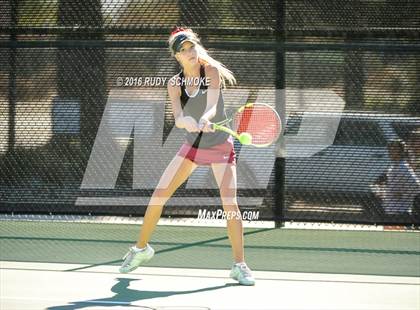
(60, 300)
(193, 221)
(96, 219)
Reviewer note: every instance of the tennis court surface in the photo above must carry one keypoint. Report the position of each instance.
(73, 265)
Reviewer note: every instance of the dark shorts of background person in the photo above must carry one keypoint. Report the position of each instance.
(217, 154)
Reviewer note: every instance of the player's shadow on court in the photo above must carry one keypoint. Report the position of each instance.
(125, 296)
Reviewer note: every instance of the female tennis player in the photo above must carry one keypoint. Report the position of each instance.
(197, 102)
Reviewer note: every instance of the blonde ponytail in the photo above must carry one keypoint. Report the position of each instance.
(225, 74)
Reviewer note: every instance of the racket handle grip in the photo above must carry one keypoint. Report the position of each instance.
(224, 129)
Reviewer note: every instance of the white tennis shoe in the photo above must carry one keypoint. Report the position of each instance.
(242, 274)
(136, 257)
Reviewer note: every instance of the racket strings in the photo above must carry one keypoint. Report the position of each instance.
(260, 121)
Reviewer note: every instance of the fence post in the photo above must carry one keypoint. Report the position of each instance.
(280, 164)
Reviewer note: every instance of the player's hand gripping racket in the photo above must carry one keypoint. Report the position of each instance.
(254, 124)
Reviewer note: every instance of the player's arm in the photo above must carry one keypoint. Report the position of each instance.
(213, 94)
(181, 121)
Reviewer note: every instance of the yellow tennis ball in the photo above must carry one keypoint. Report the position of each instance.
(245, 138)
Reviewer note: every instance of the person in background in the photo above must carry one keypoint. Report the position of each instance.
(413, 150)
(399, 187)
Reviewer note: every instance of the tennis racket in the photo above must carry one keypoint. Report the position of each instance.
(254, 124)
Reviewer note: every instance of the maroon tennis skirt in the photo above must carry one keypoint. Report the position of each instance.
(218, 154)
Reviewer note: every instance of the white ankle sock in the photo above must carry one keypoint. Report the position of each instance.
(139, 249)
